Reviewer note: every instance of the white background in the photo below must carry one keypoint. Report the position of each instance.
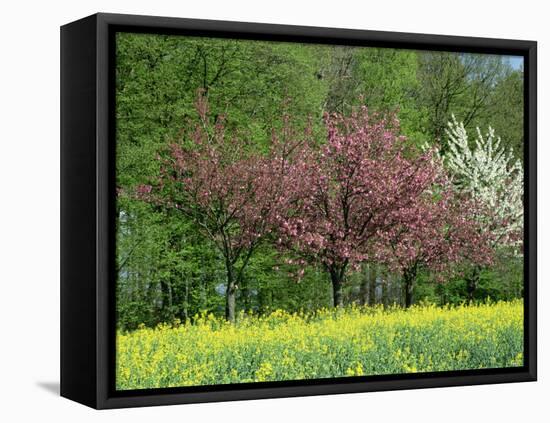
(29, 210)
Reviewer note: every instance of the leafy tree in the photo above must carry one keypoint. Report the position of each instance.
(462, 83)
(506, 112)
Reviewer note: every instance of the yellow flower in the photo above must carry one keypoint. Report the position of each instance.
(284, 346)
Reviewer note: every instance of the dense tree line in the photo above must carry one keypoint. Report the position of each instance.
(168, 269)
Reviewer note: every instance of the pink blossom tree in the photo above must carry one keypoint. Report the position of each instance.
(343, 195)
(229, 191)
(435, 233)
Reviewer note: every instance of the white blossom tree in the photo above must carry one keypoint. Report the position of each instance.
(493, 180)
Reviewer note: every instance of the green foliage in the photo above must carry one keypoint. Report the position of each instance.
(502, 282)
(506, 111)
(166, 270)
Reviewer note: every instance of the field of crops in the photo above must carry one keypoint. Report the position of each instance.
(330, 343)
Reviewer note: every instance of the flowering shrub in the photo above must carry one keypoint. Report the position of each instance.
(493, 182)
(492, 178)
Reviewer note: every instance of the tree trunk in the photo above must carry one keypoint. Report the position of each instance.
(336, 276)
(408, 293)
(166, 299)
(202, 286)
(230, 295)
(472, 282)
(186, 302)
(364, 287)
(180, 298)
(372, 285)
(245, 294)
(409, 277)
(385, 291)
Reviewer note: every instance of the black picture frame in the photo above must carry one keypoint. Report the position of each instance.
(88, 198)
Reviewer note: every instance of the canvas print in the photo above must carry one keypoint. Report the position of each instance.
(296, 211)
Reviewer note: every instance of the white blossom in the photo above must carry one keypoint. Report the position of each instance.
(491, 177)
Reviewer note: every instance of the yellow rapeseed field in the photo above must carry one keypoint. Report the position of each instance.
(329, 343)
